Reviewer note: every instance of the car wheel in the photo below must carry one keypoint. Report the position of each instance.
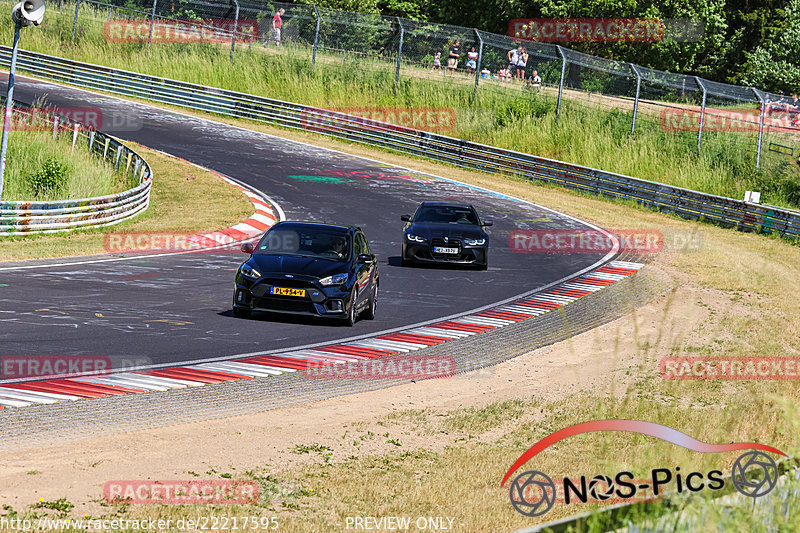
(406, 262)
(241, 312)
(352, 316)
(369, 314)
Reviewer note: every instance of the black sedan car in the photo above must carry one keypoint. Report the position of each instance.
(442, 232)
(309, 269)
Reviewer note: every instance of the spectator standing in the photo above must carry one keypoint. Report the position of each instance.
(437, 62)
(452, 56)
(513, 59)
(522, 61)
(472, 58)
(277, 23)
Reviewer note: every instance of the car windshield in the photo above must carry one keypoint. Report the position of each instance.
(306, 242)
(447, 214)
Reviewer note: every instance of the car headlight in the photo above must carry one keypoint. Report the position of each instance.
(336, 279)
(413, 238)
(249, 272)
(475, 242)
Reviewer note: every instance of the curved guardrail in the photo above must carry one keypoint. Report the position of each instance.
(24, 217)
(667, 198)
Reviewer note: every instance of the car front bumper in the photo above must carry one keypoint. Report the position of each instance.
(333, 301)
(423, 252)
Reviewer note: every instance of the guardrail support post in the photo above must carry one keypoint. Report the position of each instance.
(636, 101)
(760, 125)
(561, 81)
(478, 65)
(75, 21)
(702, 112)
(235, 28)
(152, 21)
(316, 38)
(399, 54)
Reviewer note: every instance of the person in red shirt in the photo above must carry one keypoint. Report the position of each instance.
(277, 22)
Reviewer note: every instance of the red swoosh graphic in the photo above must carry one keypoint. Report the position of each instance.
(635, 426)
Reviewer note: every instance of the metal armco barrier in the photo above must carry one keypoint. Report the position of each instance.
(666, 198)
(21, 217)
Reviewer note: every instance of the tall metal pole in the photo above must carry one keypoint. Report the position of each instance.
(75, 21)
(235, 28)
(478, 65)
(399, 54)
(316, 38)
(561, 81)
(152, 20)
(702, 112)
(636, 101)
(760, 125)
(7, 118)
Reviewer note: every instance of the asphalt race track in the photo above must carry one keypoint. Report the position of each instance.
(170, 309)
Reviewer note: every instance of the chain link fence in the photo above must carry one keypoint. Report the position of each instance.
(744, 120)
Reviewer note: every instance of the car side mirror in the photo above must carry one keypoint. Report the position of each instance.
(365, 258)
(487, 223)
(405, 218)
(247, 248)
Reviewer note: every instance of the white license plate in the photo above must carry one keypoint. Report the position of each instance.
(443, 250)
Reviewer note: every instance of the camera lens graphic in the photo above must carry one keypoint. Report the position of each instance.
(532, 493)
(754, 474)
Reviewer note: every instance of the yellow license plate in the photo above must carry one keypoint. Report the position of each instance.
(285, 291)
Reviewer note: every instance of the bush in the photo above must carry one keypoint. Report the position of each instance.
(522, 108)
(52, 177)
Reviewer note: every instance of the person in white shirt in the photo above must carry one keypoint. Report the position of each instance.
(535, 80)
(472, 58)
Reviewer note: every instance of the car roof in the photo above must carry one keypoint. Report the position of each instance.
(445, 204)
(315, 225)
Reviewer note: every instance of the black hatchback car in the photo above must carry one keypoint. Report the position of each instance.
(309, 269)
(442, 232)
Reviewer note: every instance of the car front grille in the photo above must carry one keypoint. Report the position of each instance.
(449, 244)
(285, 304)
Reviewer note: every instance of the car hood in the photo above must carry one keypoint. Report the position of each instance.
(431, 230)
(302, 266)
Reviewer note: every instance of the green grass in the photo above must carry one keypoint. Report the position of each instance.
(86, 174)
(505, 116)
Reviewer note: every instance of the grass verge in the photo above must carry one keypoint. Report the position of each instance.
(173, 208)
(39, 167)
